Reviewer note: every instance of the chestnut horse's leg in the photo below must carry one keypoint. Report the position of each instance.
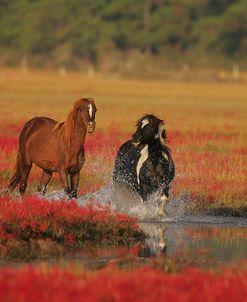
(74, 177)
(45, 178)
(17, 175)
(64, 181)
(25, 170)
(74, 181)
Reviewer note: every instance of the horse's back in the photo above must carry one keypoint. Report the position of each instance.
(36, 124)
(39, 121)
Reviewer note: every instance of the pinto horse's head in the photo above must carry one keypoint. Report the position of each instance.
(86, 113)
(149, 130)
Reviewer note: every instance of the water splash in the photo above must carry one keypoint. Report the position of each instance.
(129, 202)
(125, 200)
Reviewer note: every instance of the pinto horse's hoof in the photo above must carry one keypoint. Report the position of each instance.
(161, 212)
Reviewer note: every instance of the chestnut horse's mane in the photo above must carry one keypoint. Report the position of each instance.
(68, 126)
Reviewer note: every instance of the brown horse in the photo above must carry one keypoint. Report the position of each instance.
(55, 147)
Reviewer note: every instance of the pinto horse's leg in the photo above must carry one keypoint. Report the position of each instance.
(74, 181)
(45, 178)
(64, 181)
(163, 202)
(25, 170)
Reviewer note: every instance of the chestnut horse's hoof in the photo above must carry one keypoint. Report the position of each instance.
(73, 194)
(41, 191)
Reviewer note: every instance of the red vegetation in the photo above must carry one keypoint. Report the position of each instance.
(62, 222)
(8, 143)
(111, 284)
(209, 167)
(101, 142)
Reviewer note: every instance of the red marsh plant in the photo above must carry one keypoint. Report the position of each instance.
(210, 168)
(34, 222)
(111, 284)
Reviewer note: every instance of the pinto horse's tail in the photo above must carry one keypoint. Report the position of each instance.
(17, 175)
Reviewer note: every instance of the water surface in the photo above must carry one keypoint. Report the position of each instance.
(204, 240)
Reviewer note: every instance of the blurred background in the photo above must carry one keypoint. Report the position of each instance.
(142, 38)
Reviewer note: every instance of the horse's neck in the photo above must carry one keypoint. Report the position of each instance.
(78, 139)
(158, 149)
(155, 146)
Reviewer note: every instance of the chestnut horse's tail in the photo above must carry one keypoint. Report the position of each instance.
(17, 175)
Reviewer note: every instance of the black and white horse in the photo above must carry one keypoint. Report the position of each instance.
(144, 163)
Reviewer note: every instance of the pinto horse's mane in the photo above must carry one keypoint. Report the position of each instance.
(68, 126)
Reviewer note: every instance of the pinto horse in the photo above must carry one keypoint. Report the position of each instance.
(144, 163)
(55, 147)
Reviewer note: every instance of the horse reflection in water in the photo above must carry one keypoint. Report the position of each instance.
(156, 242)
(144, 165)
(55, 147)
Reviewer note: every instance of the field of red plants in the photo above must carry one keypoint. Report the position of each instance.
(111, 284)
(210, 167)
(206, 126)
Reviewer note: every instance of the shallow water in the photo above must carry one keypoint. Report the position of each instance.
(203, 240)
(205, 244)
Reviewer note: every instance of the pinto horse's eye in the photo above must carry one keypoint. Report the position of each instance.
(81, 109)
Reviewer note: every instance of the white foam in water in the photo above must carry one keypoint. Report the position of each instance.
(125, 200)
(54, 195)
(104, 196)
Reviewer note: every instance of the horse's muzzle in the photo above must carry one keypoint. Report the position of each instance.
(91, 127)
(136, 139)
(161, 133)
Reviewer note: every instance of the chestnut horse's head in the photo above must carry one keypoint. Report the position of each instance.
(86, 111)
(82, 114)
(149, 130)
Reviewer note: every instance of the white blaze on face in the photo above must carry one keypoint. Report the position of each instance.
(145, 122)
(142, 159)
(90, 111)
